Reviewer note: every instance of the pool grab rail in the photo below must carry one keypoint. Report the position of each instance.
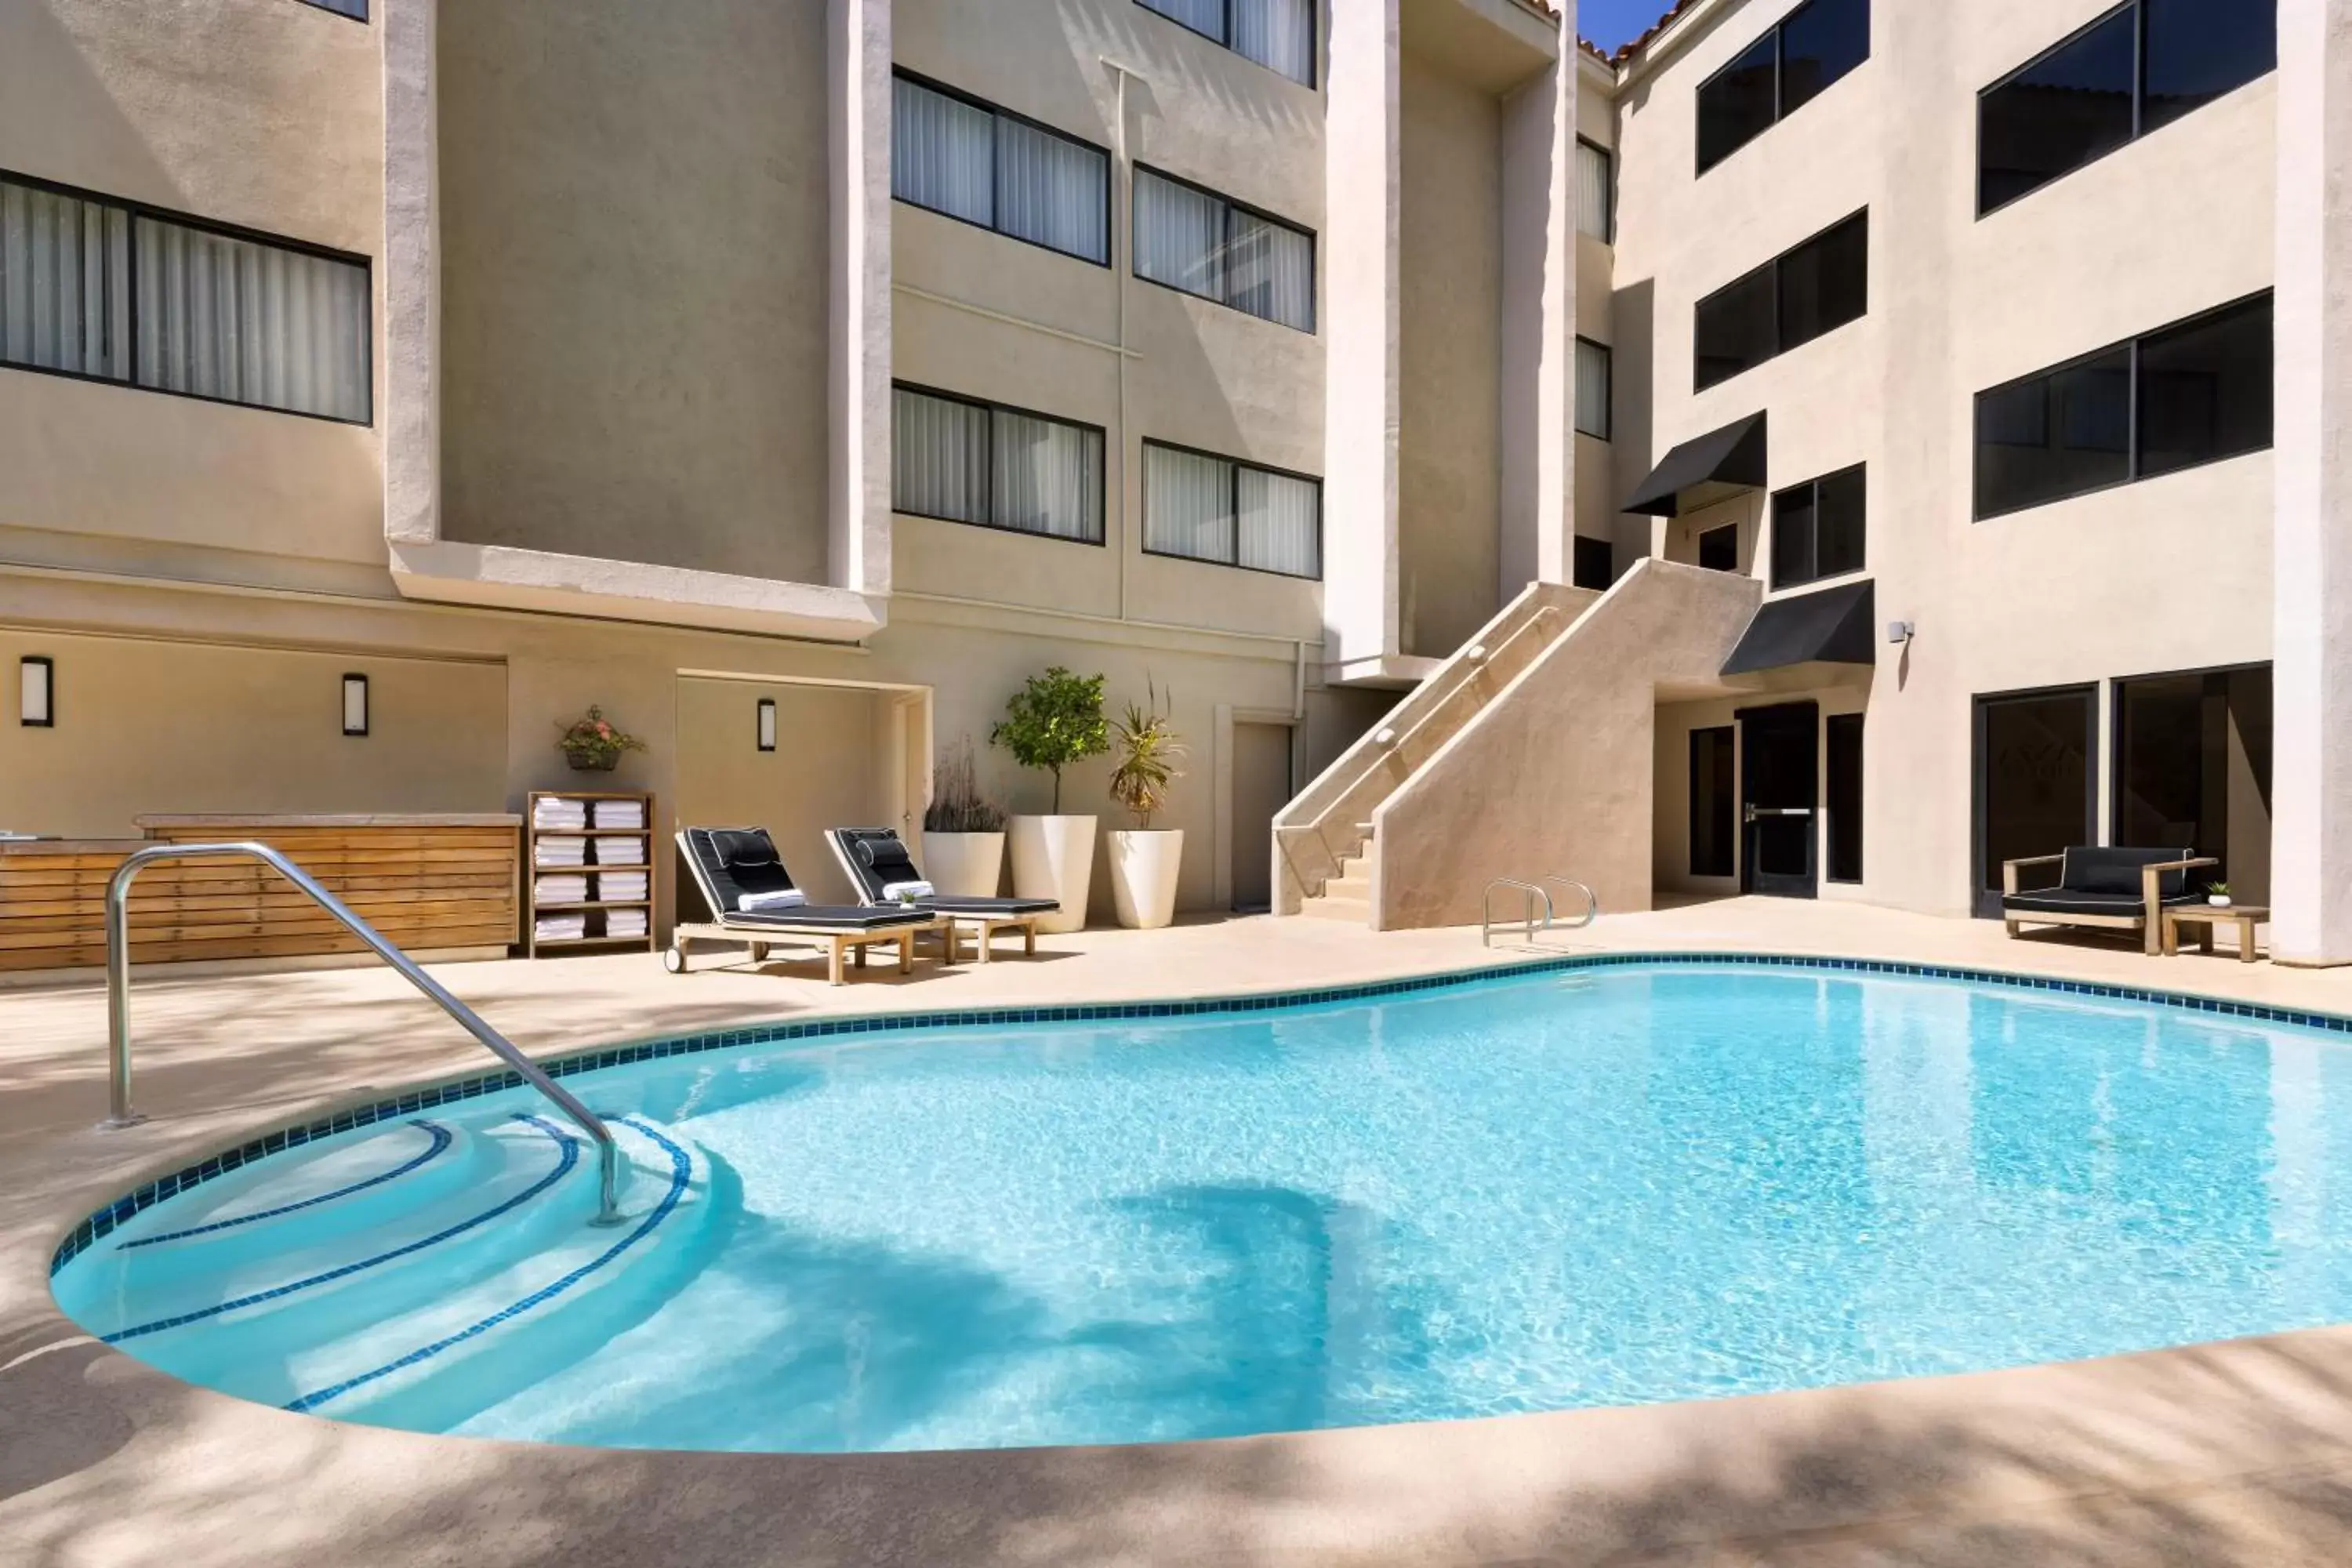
(1534, 894)
(118, 1001)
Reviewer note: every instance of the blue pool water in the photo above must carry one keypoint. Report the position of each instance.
(1601, 1186)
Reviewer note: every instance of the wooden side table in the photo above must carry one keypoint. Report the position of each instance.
(2205, 917)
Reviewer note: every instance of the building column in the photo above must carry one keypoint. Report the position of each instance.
(859, 90)
(2311, 852)
(411, 277)
(1538, 394)
(1363, 165)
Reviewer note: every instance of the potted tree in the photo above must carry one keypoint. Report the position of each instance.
(1144, 860)
(1055, 720)
(963, 830)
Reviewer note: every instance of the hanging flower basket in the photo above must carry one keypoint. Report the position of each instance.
(595, 744)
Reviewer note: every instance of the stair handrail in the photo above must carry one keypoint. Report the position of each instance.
(1487, 912)
(1591, 901)
(1442, 703)
(118, 1000)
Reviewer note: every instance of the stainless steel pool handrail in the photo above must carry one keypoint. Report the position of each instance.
(1591, 901)
(1486, 914)
(118, 1000)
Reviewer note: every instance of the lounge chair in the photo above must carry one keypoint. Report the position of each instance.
(733, 864)
(876, 859)
(2123, 889)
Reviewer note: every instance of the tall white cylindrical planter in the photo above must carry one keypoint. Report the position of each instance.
(1143, 867)
(964, 865)
(1054, 858)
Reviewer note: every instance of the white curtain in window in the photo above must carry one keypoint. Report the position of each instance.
(1595, 176)
(1054, 192)
(1270, 272)
(1188, 504)
(1180, 234)
(1280, 524)
(1201, 16)
(251, 323)
(1048, 476)
(1592, 391)
(942, 153)
(938, 458)
(1279, 34)
(65, 290)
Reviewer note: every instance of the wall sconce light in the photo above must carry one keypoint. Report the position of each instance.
(38, 692)
(355, 705)
(1899, 631)
(767, 723)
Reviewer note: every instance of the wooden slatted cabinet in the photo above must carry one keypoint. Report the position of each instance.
(544, 857)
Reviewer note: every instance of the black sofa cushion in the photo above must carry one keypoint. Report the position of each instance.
(2107, 868)
(2068, 902)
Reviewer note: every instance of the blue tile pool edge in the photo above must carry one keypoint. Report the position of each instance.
(102, 1223)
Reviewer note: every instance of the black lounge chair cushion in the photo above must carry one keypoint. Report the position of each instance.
(877, 857)
(2111, 869)
(729, 862)
(2070, 901)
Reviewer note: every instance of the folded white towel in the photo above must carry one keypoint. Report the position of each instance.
(619, 851)
(561, 889)
(620, 886)
(893, 891)
(560, 928)
(561, 852)
(625, 923)
(620, 814)
(560, 811)
(758, 903)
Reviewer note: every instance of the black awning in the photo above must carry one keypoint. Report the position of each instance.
(1835, 626)
(1704, 471)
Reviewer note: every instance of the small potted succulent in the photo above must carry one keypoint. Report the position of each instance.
(2217, 894)
(593, 743)
(1055, 720)
(963, 830)
(1144, 860)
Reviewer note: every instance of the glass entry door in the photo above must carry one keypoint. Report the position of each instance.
(2036, 782)
(1779, 796)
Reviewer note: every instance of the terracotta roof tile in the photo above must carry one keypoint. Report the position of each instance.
(1627, 51)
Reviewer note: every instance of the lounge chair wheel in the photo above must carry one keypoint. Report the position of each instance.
(758, 952)
(674, 960)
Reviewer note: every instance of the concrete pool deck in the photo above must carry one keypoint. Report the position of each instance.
(2223, 1454)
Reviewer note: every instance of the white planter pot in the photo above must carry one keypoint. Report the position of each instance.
(964, 865)
(2218, 901)
(1143, 867)
(1054, 858)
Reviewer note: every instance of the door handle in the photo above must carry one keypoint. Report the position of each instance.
(1756, 811)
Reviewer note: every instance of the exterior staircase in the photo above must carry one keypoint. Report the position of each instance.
(1528, 754)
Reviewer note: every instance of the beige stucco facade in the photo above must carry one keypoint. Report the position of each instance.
(642, 294)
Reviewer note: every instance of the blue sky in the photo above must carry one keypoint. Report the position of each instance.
(1610, 22)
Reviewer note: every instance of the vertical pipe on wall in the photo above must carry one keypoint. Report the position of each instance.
(1122, 247)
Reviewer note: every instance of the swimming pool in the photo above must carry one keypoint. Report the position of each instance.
(1600, 1185)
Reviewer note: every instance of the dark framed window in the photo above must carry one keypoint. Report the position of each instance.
(1713, 790)
(1718, 547)
(1277, 34)
(2192, 770)
(2037, 779)
(1842, 738)
(1189, 238)
(1780, 73)
(2193, 392)
(960, 459)
(1596, 191)
(2137, 69)
(1808, 290)
(1818, 527)
(357, 10)
(103, 289)
(1204, 507)
(956, 155)
(1595, 387)
(1595, 563)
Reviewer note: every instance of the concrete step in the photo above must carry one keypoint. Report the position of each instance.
(1355, 883)
(1357, 911)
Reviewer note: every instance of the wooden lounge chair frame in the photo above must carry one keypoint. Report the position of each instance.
(982, 917)
(843, 942)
